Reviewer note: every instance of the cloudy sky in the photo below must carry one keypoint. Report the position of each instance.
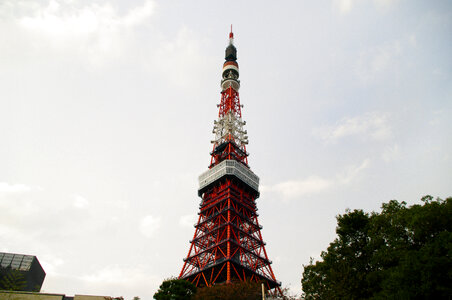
(107, 108)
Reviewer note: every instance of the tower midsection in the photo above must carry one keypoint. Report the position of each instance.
(228, 232)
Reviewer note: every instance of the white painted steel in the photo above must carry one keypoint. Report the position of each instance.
(230, 125)
(229, 167)
(231, 66)
(226, 83)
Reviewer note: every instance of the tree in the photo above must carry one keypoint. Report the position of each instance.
(401, 253)
(175, 289)
(286, 295)
(237, 290)
(240, 290)
(12, 280)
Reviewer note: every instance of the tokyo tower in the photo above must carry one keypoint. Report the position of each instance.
(227, 245)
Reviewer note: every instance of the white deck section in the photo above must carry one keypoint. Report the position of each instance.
(229, 167)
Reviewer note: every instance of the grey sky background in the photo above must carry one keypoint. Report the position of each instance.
(107, 108)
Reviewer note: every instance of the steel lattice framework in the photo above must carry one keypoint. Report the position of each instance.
(227, 244)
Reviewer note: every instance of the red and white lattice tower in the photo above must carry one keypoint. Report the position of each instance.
(227, 245)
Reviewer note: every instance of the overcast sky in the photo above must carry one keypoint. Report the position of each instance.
(107, 108)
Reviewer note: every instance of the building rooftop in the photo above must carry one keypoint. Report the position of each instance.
(19, 262)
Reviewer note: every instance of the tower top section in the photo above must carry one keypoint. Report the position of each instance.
(231, 51)
(230, 137)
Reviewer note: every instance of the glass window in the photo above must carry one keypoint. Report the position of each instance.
(5, 264)
(7, 260)
(24, 267)
(26, 264)
(17, 259)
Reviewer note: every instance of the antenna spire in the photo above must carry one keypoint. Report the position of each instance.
(231, 34)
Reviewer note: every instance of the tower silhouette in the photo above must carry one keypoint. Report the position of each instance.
(227, 245)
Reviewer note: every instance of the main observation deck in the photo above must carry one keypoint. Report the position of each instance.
(228, 168)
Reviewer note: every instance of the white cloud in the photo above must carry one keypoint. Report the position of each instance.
(384, 3)
(296, 188)
(346, 6)
(352, 172)
(51, 263)
(436, 118)
(372, 125)
(18, 201)
(63, 19)
(119, 279)
(181, 59)
(149, 225)
(314, 184)
(139, 14)
(391, 153)
(378, 60)
(187, 221)
(413, 40)
(79, 201)
(94, 31)
(110, 274)
(18, 188)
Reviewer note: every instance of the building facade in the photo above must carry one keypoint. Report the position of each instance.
(23, 271)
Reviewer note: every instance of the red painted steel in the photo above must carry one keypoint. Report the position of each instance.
(227, 245)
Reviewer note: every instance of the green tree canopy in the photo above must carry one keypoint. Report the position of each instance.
(240, 290)
(12, 280)
(175, 289)
(401, 253)
(237, 290)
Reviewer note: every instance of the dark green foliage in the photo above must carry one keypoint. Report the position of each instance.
(175, 289)
(236, 291)
(12, 280)
(401, 253)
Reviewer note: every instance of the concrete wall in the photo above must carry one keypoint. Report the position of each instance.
(7, 295)
(88, 297)
(18, 295)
